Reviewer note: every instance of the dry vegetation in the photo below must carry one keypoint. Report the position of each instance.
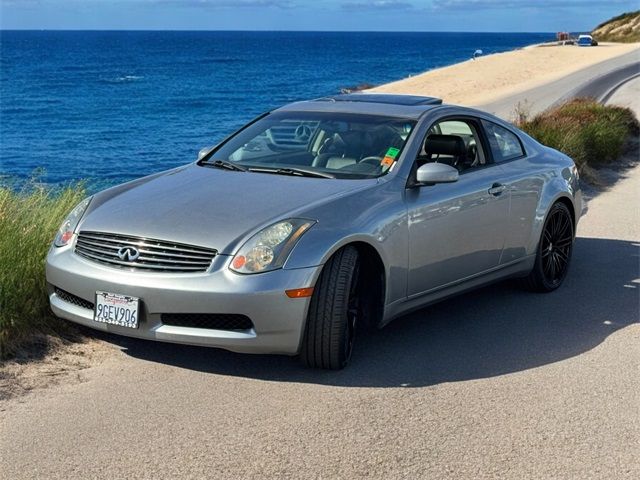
(592, 134)
(623, 28)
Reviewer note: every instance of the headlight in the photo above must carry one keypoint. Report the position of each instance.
(269, 248)
(65, 234)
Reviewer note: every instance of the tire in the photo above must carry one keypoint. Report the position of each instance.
(333, 313)
(554, 251)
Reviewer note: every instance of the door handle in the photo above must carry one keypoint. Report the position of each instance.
(497, 189)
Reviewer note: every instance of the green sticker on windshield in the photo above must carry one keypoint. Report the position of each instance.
(392, 152)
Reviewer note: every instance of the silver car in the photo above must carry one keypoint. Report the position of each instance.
(314, 220)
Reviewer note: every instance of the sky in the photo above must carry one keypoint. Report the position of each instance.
(315, 15)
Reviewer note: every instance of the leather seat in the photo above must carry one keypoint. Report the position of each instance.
(451, 145)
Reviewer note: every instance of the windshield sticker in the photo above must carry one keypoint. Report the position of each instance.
(392, 152)
(389, 157)
(387, 161)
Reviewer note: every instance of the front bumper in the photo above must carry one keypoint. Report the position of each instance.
(278, 320)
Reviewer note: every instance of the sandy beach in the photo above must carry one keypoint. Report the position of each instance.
(486, 79)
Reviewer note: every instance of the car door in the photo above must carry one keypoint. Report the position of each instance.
(457, 230)
(524, 182)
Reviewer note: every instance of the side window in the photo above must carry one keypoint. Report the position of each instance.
(454, 142)
(455, 127)
(504, 144)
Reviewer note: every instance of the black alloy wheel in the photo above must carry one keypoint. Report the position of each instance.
(554, 250)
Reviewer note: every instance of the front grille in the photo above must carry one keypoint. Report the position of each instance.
(71, 298)
(155, 255)
(213, 321)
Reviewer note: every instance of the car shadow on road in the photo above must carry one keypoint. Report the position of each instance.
(493, 331)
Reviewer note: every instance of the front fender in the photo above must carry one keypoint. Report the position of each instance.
(378, 219)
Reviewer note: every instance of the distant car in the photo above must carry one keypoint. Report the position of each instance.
(586, 41)
(315, 219)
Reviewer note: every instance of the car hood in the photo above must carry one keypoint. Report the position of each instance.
(208, 207)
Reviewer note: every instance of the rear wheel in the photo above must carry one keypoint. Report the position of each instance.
(554, 251)
(333, 313)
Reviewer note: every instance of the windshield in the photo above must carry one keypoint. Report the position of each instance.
(317, 144)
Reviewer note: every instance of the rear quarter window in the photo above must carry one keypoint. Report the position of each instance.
(505, 145)
(455, 127)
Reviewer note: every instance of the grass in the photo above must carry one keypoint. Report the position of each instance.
(29, 220)
(590, 133)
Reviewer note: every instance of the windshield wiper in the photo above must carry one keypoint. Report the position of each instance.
(300, 172)
(224, 164)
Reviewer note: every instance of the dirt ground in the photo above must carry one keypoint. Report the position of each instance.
(50, 360)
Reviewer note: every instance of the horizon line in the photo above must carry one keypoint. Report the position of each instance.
(257, 31)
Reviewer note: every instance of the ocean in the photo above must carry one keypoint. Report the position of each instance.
(106, 107)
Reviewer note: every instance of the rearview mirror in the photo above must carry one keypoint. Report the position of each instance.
(431, 173)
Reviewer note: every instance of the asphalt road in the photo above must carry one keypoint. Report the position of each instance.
(627, 95)
(595, 81)
(499, 383)
(603, 87)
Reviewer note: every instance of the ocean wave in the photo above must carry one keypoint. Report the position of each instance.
(122, 79)
(221, 60)
(190, 102)
(20, 110)
(73, 68)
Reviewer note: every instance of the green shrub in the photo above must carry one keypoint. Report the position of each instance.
(590, 133)
(29, 220)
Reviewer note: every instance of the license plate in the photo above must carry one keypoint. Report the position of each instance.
(116, 309)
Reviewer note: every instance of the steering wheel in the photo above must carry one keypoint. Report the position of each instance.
(373, 160)
(325, 145)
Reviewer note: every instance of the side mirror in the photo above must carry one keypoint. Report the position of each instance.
(203, 152)
(432, 173)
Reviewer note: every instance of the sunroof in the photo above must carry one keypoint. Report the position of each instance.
(391, 99)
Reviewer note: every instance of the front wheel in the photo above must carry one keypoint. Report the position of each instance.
(554, 251)
(333, 313)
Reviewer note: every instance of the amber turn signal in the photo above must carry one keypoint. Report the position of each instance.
(299, 292)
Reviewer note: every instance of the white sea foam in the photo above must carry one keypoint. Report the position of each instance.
(123, 79)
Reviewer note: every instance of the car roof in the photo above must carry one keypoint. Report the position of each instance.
(393, 105)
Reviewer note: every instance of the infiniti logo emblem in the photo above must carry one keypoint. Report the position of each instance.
(128, 254)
